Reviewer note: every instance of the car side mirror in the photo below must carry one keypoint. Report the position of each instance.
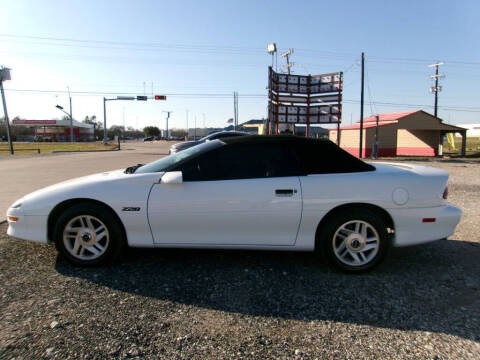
(172, 177)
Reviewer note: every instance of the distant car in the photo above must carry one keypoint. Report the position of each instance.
(213, 136)
(150, 138)
(255, 192)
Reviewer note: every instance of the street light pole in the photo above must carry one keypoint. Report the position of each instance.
(186, 112)
(104, 121)
(71, 118)
(5, 76)
(168, 117)
(105, 113)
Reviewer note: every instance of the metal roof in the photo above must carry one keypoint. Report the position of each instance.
(394, 118)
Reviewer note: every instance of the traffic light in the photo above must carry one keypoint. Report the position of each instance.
(160, 97)
(142, 98)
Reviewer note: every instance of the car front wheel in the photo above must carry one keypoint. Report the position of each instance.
(88, 235)
(355, 241)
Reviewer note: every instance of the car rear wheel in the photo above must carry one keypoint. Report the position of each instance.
(88, 235)
(355, 241)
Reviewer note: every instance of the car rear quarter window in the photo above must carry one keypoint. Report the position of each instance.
(324, 157)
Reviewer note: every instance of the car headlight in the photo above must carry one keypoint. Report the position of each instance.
(17, 205)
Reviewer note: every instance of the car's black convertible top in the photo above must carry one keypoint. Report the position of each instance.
(318, 156)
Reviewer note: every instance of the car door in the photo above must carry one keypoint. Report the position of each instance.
(234, 195)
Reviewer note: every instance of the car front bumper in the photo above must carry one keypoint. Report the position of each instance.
(32, 228)
(411, 228)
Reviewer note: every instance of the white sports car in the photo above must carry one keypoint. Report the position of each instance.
(252, 192)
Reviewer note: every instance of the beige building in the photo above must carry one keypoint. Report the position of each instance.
(405, 133)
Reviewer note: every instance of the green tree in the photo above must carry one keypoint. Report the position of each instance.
(178, 132)
(98, 126)
(115, 130)
(90, 119)
(151, 131)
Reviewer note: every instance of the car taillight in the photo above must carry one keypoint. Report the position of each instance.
(445, 193)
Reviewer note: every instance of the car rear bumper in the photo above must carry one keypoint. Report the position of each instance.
(422, 225)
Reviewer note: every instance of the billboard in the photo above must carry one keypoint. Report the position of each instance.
(309, 84)
(304, 99)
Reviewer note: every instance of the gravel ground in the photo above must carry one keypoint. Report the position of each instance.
(422, 303)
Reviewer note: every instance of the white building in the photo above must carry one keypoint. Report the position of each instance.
(473, 130)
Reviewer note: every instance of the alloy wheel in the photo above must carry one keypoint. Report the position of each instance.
(86, 237)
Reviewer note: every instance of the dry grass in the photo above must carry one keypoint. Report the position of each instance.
(33, 148)
(473, 146)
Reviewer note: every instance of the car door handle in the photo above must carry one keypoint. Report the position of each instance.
(284, 192)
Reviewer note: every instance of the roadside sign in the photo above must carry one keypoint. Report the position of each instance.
(304, 99)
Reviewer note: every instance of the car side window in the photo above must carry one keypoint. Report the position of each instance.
(242, 161)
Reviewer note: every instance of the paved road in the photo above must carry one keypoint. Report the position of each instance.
(26, 173)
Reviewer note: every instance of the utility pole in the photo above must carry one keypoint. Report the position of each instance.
(71, 118)
(235, 110)
(123, 115)
(435, 89)
(204, 121)
(104, 121)
(5, 75)
(286, 55)
(186, 113)
(195, 129)
(361, 106)
(375, 144)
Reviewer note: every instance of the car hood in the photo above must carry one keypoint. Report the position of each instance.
(101, 186)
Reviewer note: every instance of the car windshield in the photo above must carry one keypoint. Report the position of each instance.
(208, 137)
(165, 163)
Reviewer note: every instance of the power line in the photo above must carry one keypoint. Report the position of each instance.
(218, 48)
(370, 93)
(228, 96)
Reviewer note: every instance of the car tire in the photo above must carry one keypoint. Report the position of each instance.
(89, 234)
(355, 240)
